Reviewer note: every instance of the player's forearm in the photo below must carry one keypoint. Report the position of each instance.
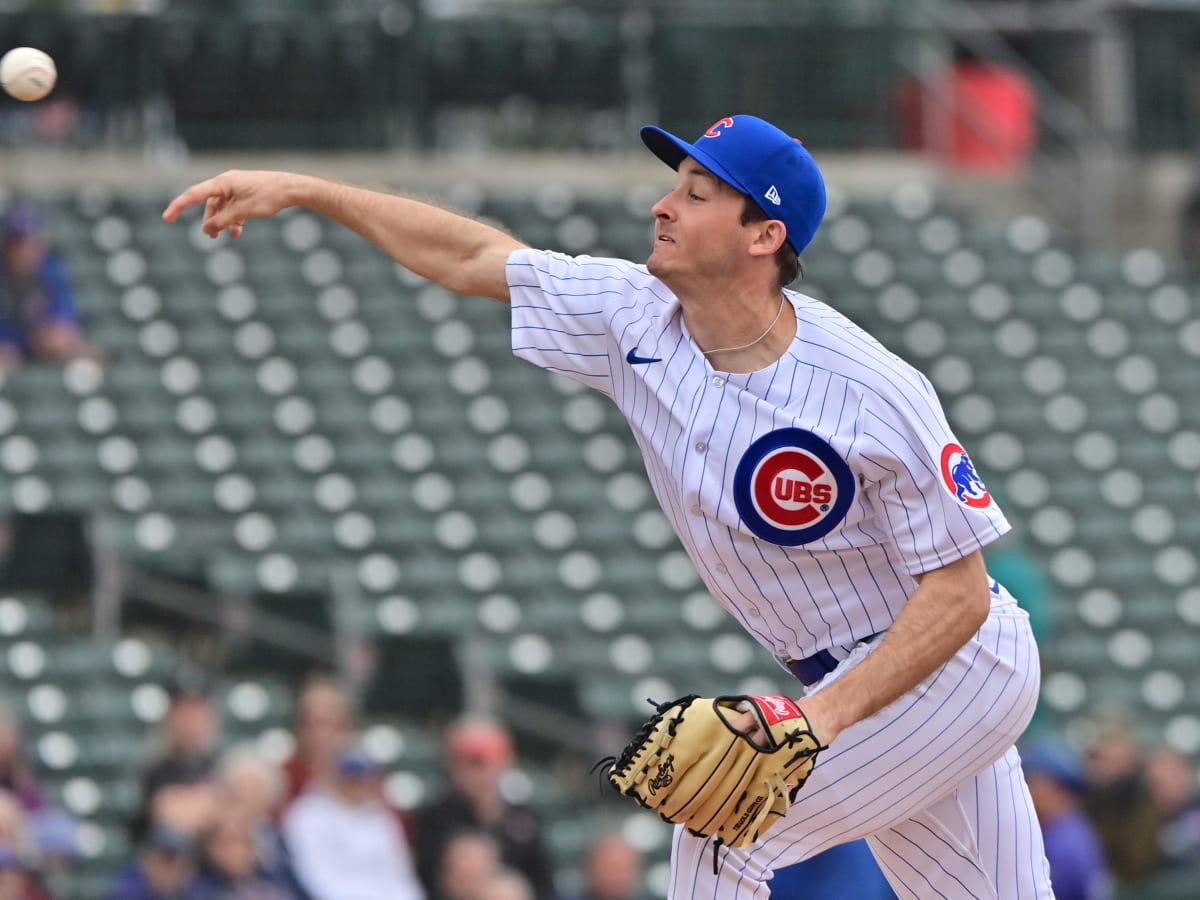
(464, 255)
(947, 608)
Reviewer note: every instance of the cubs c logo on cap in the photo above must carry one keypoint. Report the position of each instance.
(961, 479)
(791, 487)
(714, 130)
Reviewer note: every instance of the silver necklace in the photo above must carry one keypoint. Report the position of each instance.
(770, 328)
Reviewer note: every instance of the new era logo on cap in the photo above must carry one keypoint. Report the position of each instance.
(758, 159)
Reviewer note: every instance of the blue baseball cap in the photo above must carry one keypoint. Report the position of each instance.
(758, 159)
(355, 763)
(1056, 760)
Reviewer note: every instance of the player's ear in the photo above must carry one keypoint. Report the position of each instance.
(767, 236)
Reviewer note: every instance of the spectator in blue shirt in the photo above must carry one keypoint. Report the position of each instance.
(1172, 784)
(38, 316)
(1078, 869)
(164, 868)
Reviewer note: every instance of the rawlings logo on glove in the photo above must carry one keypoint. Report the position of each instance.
(716, 780)
(663, 778)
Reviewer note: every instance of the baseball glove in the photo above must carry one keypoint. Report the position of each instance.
(691, 766)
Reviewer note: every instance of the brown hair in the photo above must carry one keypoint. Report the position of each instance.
(786, 258)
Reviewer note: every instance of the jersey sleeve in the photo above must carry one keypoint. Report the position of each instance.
(563, 309)
(925, 489)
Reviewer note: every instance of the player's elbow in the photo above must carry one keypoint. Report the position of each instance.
(976, 606)
(972, 602)
(482, 271)
(963, 590)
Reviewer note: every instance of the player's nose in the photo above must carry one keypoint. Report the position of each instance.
(663, 208)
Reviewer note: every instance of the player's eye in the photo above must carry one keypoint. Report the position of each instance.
(692, 195)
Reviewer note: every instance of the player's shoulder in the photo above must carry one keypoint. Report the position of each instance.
(825, 328)
(835, 342)
(553, 271)
(556, 262)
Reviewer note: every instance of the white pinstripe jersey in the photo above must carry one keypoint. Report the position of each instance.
(807, 493)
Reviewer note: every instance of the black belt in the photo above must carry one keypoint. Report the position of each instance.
(813, 668)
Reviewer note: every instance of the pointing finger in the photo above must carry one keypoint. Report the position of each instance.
(201, 191)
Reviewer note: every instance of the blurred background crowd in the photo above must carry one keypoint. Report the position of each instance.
(215, 819)
(308, 591)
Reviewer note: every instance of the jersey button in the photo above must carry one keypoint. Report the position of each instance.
(718, 381)
(696, 510)
(753, 613)
(700, 446)
(722, 568)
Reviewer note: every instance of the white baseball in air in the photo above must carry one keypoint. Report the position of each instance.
(27, 73)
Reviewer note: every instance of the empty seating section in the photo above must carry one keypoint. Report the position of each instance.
(280, 410)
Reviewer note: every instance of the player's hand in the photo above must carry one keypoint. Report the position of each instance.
(748, 725)
(234, 197)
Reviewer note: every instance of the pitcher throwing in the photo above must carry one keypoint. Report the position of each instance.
(813, 479)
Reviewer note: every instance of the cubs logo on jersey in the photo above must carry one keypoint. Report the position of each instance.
(791, 487)
(958, 472)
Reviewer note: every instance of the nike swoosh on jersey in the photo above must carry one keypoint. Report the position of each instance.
(634, 360)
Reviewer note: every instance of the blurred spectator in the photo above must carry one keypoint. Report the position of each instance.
(51, 828)
(163, 869)
(1172, 785)
(247, 782)
(19, 877)
(177, 786)
(55, 835)
(323, 724)
(1117, 798)
(469, 859)
(612, 869)
(250, 786)
(16, 882)
(230, 867)
(345, 843)
(1078, 869)
(478, 753)
(506, 884)
(16, 774)
(38, 316)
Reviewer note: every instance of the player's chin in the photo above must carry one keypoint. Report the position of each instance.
(656, 262)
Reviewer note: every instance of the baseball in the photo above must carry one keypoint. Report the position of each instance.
(27, 73)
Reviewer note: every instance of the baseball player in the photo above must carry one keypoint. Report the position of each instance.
(813, 479)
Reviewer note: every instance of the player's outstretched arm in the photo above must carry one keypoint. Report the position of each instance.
(949, 605)
(458, 252)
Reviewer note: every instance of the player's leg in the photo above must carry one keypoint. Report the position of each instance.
(1008, 832)
(998, 813)
(934, 854)
(893, 767)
